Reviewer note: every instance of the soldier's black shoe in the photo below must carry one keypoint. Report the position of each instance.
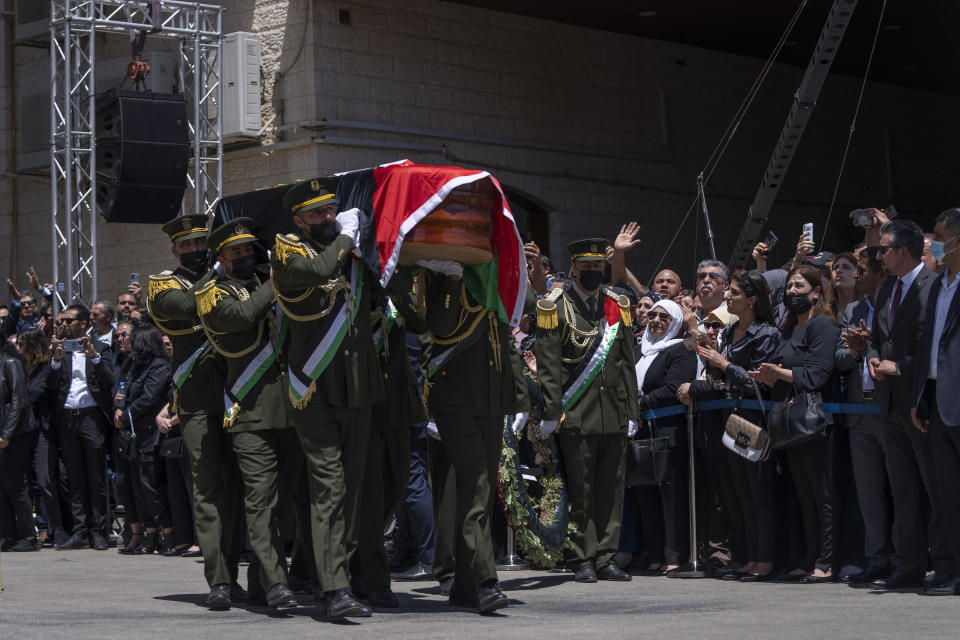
(76, 541)
(446, 586)
(463, 597)
(219, 597)
(869, 575)
(98, 542)
(418, 571)
(342, 604)
(585, 573)
(899, 580)
(490, 599)
(385, 599)
(279, 596)
(614, 573)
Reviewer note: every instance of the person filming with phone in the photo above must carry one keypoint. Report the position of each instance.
(83, 412)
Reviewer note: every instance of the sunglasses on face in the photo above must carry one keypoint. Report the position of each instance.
(716, 326)
(711, 275)
(882, 249)
(66, 320)
(663, 316)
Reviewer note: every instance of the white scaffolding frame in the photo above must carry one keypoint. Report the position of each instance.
(73, 164)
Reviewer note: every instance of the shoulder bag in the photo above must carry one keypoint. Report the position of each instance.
(648, 461)
(797, 419)
(744, 438)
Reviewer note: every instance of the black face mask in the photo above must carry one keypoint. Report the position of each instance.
(590, 280)
(797, 303)
(195, 261)
(324, 232)
(244, 267)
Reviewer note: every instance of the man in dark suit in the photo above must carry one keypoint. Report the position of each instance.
(83, 413)
(937, 410)
(895, 342)
(867, 445)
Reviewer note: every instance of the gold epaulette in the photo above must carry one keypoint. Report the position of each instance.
(163, 281)
(625, 314)
(547, 317)
(554, 294)
(287, 245)
(208, 297)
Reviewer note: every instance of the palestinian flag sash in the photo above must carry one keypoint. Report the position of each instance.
(596, 356)
(382, 333)
(326, 340)
(256, 364)
(183, 371)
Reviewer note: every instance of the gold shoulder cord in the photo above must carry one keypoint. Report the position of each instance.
(164, 282)
(331, 288)
(481, 314)
(572, 334)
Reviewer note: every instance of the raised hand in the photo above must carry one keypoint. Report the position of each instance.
(627, 238)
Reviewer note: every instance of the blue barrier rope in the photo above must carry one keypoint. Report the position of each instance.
(749, 403)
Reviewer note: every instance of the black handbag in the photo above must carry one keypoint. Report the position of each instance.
(648, 461)
(796, 420)
(127, 444)
(173, 447)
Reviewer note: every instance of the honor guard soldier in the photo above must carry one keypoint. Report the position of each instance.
(240, 319)
(198, 380)
(388, 454)
(334, 375)
(584, 350)
(470, 388)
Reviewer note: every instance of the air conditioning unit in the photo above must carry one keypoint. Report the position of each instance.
(33, 100)
(240, 84)
(32, 20)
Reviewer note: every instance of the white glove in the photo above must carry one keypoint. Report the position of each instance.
(219, 269)
(432, 430)
(547, 427)
(632, 428)
(349, 223)
(446, 267)
(519, 421)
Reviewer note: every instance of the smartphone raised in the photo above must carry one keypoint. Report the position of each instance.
(134, 277)
(808, 231)
(770, 239)
(73, 345)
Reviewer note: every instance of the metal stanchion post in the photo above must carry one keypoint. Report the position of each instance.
(692, 569)
(510, 561)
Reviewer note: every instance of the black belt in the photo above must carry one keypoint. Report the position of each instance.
(868, 396)
(81, 412)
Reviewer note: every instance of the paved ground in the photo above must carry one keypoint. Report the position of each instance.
(90, 594)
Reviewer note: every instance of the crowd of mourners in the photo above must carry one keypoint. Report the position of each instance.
(873, 499)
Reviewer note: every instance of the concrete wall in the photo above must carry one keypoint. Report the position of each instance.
(629, 121)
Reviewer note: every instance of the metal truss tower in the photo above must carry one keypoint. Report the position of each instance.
(73, 164)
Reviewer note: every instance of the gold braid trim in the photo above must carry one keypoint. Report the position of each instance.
(157, 320)
(331, 288)
(288, 245)
(547, 316)
(159, 284)
(232, 420)
(301, 403)
(494, 337)
(208, 297)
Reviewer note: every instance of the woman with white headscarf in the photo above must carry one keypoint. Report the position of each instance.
(663, 364)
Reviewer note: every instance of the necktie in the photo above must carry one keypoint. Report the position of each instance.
(897, 297)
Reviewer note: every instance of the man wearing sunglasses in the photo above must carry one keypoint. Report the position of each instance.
(895, 342)
(83, 412)
(712, 281)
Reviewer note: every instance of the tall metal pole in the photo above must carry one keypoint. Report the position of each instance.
(692, 569)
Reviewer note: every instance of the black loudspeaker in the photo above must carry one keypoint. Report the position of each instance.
(143, 150)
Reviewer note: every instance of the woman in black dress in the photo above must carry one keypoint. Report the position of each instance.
(805, 363)
(744, 345)
(18, 436)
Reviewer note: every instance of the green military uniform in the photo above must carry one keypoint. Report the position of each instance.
(198, 378)
(593, 411)
(334, 376)
(239, 319)
(388, 454)
(469, 391)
